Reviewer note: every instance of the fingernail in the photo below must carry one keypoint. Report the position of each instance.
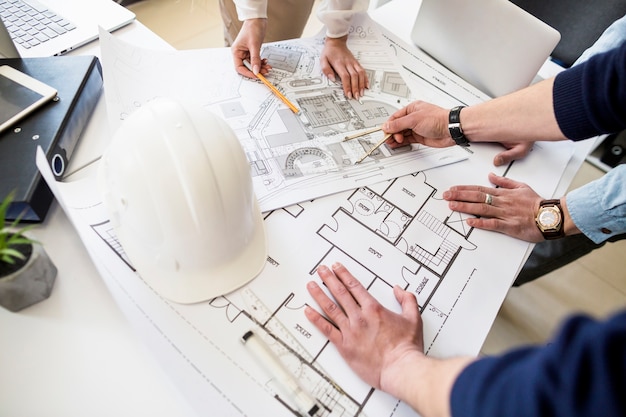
(322, 268)
(362, 93)
(311, 285)
(255, 69)
(337, 265)
(446, 195)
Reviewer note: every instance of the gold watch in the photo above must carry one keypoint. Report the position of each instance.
(549, 219)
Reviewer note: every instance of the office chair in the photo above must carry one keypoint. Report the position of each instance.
(580, 22)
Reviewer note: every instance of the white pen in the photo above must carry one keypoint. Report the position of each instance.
(286, 382)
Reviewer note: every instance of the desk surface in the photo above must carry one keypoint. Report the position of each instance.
(75, 354)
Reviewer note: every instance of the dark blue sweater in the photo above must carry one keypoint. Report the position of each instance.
(590, 98)
(583, 371)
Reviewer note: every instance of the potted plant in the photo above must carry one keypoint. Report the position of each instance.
(26, 272)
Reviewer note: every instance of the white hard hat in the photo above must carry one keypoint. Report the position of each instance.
(178, 190)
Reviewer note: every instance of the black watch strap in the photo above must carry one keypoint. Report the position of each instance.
(454, 126)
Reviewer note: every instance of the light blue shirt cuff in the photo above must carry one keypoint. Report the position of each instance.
(598, 208)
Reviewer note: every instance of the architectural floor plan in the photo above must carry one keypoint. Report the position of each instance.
(398, 231)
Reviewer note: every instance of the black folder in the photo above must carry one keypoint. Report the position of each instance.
(56, 127)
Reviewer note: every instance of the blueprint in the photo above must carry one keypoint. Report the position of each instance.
(398, 231)
(395, 231)
(293, 157)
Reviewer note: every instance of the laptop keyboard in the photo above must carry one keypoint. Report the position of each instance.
(31, 23)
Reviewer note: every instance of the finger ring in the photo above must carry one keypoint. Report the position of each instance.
(488, 199)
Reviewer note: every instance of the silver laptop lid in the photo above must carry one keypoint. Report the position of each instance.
(493, 44)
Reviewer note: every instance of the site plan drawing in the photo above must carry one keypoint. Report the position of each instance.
(293, 157)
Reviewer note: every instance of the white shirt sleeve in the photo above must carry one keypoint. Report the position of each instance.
(251, 9)
(336, 15)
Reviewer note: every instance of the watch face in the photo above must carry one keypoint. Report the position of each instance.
(549, 217)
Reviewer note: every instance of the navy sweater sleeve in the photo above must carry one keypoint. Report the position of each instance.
(590, 99)
(582, 373)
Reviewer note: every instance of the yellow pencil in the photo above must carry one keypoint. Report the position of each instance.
(271, 87)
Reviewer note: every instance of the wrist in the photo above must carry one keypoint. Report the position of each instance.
(569, 227)
(455, 128)
(336, 41)
(425, 383)
(255, 22)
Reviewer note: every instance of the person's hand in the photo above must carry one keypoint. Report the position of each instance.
(512, 210)
(513, 152)
(336, 58)
(247, 45)
(419, 122)
(377, 343)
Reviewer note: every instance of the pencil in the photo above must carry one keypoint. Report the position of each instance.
(363, 133)
(368, 153)
(271, 87)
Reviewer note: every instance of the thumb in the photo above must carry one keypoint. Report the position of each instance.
(407, 301)
(504, 182)
(255, 61)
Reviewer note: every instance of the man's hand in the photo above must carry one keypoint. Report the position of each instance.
(384, 348)
(373, 340)
(337, 59)
(513, 152)
(512, 210)
(419, 122)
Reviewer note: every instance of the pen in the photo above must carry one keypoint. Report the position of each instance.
(368, 153)
(286, 382)
(271, 87)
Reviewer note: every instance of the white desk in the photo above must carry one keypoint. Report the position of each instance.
(75, 354)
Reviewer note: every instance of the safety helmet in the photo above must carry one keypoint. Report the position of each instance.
(178, 190)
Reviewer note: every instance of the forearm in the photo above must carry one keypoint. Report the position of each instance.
(336, 15)
(426, 383)
(526, 115)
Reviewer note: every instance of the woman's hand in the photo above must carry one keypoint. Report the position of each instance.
(337, 59)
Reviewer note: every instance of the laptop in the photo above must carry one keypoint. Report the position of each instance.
(493, 44)
(41, 28)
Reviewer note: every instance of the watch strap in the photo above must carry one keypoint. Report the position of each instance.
(454, 126)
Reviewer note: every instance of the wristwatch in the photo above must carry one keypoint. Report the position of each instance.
(549, 219)
(454, 126)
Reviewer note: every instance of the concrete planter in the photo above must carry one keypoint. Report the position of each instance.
(30, 284)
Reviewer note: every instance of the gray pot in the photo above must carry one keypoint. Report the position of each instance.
(29, 285)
